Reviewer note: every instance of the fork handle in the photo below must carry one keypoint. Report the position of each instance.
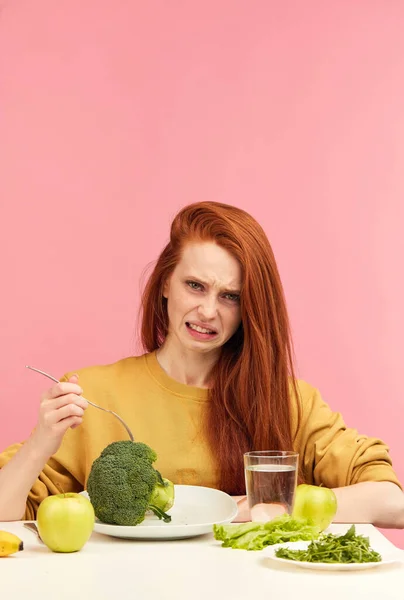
(57, 381)
(92, 403)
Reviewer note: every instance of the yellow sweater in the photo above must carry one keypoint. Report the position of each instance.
(167, 415)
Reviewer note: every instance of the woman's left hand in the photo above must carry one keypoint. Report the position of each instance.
(243, 514)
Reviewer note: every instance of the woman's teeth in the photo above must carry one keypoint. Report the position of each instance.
(200, 329)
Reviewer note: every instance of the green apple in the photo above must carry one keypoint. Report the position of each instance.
(65, 521)
(317, 503)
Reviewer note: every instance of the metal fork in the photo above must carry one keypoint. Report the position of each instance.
(34, 528)
(92, 403)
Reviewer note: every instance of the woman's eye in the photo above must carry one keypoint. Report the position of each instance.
(194, 285)
(232, 297)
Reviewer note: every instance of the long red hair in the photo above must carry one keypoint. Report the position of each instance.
(250, 405)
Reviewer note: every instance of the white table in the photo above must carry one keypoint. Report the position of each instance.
(195, 569)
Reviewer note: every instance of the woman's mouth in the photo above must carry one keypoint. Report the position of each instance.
(201, 333)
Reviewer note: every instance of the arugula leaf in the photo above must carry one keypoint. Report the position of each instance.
(256, 536)
(331, 548)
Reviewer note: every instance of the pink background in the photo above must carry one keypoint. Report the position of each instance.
(115, 114)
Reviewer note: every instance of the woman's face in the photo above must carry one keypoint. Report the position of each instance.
(203, 297)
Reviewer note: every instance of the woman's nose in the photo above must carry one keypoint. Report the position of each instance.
(208, 308)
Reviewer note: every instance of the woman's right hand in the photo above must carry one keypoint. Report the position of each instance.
(62, 406)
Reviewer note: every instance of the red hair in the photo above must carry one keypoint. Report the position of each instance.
(250, 395)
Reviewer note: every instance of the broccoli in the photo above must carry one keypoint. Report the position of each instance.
(123, 485)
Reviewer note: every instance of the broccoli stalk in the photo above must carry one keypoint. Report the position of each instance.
(162, 498)
(123, 485)
(160, 513)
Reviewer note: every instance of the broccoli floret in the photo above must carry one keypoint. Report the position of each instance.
(123, 485)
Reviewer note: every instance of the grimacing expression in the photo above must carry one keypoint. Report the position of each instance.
(203, 297)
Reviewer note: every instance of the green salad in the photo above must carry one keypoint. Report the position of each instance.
(330, 548)
(256, 536)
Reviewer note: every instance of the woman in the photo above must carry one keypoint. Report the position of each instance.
(216, 380)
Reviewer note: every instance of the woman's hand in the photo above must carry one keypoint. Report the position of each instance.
(243, 514)
(61, 407)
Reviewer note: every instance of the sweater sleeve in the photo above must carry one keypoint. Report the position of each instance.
(62, 472)
(53, 479)
(334, 455)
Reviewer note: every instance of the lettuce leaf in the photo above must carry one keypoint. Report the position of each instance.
(256, 536)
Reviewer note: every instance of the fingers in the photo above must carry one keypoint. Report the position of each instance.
(69, 410)
(50, 418)
(62, 406)
(60, 401)
(61, 427)
(61, 389)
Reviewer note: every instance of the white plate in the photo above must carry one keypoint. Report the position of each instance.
(389, 556)
(196, 509)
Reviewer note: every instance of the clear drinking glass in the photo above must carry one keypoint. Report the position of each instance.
(270, 479)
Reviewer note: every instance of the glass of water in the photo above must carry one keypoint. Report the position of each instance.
(270, 479)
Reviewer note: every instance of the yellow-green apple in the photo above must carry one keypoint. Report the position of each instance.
(65, 521)
(317, 503)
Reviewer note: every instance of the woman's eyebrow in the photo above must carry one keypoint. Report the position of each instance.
(229, 290)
